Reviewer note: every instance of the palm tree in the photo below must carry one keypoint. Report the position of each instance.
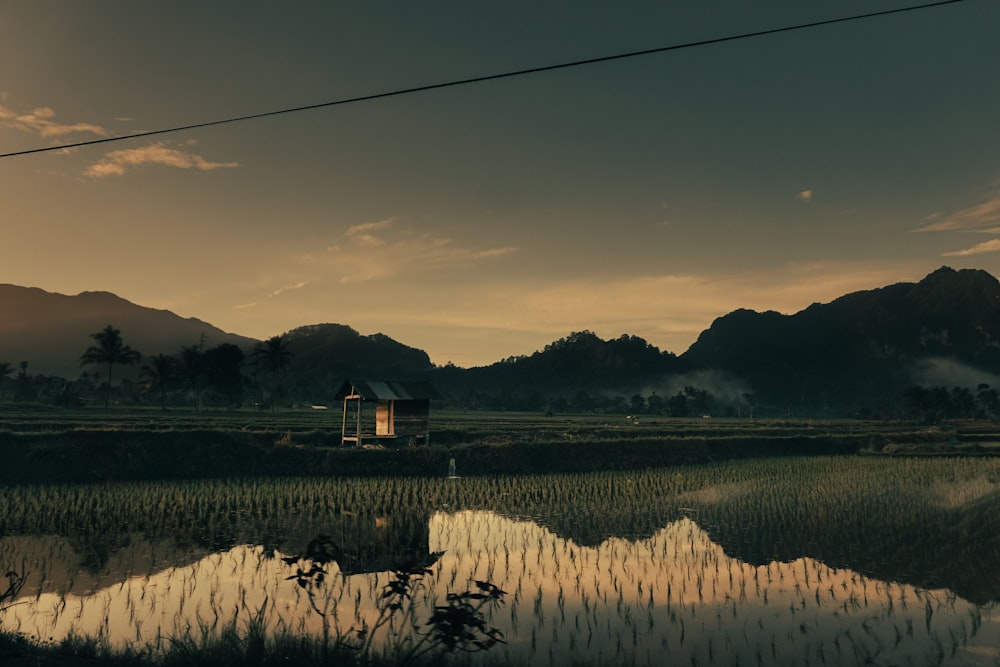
(273, 357)
(5, 370)
(192, 370)
(109, 350)
(159, 374)
(23, 391)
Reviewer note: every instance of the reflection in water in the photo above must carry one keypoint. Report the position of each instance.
(674, 594)
(678, 594)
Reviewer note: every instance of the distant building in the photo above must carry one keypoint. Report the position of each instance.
(402, 411)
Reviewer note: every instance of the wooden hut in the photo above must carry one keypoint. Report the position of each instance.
(402, 411)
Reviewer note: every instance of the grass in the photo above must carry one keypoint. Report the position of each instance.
(231, 649)
(97, 445)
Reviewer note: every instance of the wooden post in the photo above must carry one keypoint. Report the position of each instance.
(358, 441)
(344, 438)
(343, 425)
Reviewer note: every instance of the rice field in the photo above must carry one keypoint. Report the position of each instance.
(804, 561)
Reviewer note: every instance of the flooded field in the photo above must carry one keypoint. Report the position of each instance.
(822, 561)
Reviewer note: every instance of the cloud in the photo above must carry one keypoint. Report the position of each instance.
(39, 122)
(116, 163)
(384, 248)
(805, 195)
(363, 234)
(493, 252)
(975, 217)
(993, 245)
(366, 227)
(286, 288)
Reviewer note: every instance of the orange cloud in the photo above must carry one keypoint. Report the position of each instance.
(993, 245)
(39, 122)
(116, 163)
(972, 218)
(285, 288)
(383, 249)
(363, 233)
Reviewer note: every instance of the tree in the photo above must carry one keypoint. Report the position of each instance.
(159, 374)
(699, 401)
(223, 373)
(5, 370)
(655, 404)
(963, 403)
(677, 405)
(23, 389)
(272, 357)
(987, 397)
(109, 350)
(582, 402)
(192, 368)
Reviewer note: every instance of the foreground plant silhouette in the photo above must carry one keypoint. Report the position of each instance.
(459, 625)
(15, 582)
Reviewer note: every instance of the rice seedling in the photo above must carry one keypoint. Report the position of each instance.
(755, 557)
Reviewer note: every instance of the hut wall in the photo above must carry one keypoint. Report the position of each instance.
(411, 417)
(383, 418)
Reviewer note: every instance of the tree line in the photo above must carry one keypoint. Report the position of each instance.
(687, 402)
(224, 376)
(196, 376)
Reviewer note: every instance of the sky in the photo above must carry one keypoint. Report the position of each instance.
(643, 196)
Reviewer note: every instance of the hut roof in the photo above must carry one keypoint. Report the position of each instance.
(388, 390)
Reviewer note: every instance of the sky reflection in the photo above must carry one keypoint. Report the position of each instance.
(676, 593)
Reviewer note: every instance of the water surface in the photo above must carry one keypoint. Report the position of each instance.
(623, 601)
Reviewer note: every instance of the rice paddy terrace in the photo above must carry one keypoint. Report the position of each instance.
(55, 445)
(615, 540)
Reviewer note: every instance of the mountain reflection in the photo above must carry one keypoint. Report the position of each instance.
(676, 593)
(949, 537)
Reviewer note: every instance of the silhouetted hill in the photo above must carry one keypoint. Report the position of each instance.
(50, 331)
(856, 355)
(851, 353)
(324, 355)
(567, 373)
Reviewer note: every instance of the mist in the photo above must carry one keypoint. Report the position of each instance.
(945, 372)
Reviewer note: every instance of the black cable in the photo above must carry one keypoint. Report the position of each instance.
(487, 77)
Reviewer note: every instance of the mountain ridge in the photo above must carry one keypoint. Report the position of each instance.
(862, 343)
(53, 329)
(851, 356)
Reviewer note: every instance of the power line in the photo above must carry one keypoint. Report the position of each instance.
(486, 77)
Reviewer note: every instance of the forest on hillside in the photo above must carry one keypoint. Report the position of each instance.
(923, 351)
(578, 374)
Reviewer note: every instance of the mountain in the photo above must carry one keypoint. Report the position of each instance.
(853, 356)
(568, 373)
(50, 331)
(324, 355)
(849, 354)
